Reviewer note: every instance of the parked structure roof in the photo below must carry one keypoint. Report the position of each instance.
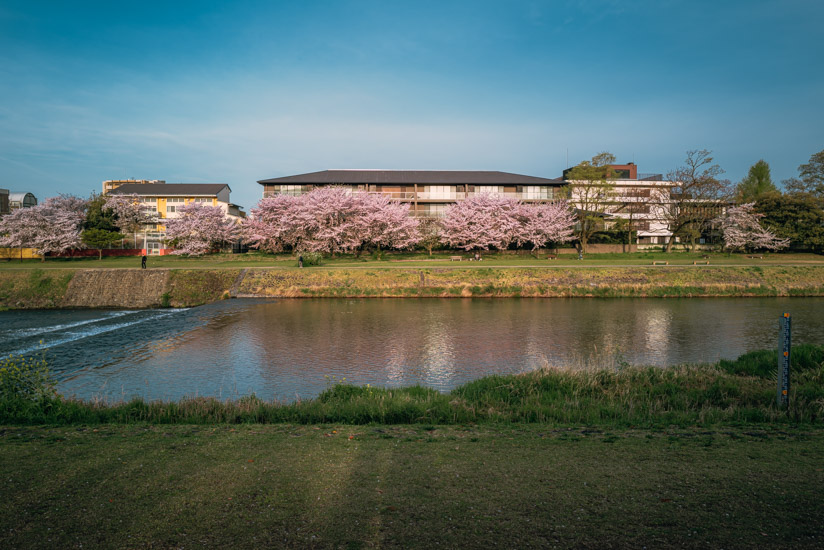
(170, 189)
(426, 177)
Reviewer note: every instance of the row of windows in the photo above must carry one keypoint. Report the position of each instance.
(175, 199)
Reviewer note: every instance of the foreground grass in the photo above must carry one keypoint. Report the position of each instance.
(730, 392)
(331, 486)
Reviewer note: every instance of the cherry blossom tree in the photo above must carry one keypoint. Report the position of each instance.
(129, 213)
(330, 220)
(52, 227)
(200, 229)
(273, 225)
(482, 222)
(387, 223)
(544, 223)
(741, 228)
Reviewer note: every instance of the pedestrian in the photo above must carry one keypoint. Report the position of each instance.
(143, 262)
(300, 261)
(580, 254)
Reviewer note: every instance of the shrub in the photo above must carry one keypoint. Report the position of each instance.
(25, 379)
(312, 258)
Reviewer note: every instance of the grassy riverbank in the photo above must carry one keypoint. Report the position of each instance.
(338, 486)
(689, 456)
(730, 392)
(32, 289)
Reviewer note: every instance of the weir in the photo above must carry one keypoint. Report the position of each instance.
(117, 288)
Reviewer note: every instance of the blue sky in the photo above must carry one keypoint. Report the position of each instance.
(240, 91)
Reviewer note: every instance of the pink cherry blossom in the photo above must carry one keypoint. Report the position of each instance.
(51, 227)
(741, 228)
(200, 229)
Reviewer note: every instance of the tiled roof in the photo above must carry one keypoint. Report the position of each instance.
(426, 177)
(187, 189)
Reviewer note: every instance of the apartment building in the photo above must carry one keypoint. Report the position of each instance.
(4, 202)
(640, 200)
(429, 192)
(162, 201)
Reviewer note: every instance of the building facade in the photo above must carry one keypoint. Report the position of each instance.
(5, 207)
(428, 192)
(637, 200)
(162, 201)
(641, 201)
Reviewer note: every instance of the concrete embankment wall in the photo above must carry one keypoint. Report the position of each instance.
(135, 288)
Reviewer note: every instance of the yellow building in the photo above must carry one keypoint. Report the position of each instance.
(162, 200)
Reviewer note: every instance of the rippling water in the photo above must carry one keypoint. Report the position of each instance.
(288, 349)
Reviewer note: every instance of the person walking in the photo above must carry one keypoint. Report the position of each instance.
(143, 262)
(300, 261)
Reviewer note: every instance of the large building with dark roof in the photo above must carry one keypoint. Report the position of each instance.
(428, 191)
(640, 200)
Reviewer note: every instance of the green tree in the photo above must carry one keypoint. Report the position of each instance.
(591, 192)
(98, 216)
(100, 227)
(811, 177)
(795, 216)
(100, 239)
(757, 183)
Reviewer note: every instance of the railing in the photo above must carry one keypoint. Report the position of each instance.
(433, 196)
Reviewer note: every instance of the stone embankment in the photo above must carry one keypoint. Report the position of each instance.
(134, 288)
(116, 288)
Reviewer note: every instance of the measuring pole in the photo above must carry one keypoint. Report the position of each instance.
(784, 344)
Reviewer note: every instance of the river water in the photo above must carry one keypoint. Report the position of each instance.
(289, 349)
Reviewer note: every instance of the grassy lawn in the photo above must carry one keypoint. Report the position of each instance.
(327, 486)
(413, 260)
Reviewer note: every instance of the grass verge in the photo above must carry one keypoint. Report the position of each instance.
(730, 392)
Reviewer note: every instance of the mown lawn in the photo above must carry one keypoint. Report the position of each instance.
(255, 486)
(440, 259)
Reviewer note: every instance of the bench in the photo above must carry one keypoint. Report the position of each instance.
(756, 257)
(552, 257)
(455, 258)
(660, 263)
(697, 262)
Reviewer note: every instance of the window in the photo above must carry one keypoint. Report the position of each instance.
(491, 189)
(439, 192)
(171, 208)
(537, 192)
(175, 199)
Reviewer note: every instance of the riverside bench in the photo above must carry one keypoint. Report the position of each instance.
(551, 257)
(660, 263)
(455, 258)
(756, 257)
(701, 262)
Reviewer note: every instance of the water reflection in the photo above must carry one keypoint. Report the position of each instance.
(288, 349)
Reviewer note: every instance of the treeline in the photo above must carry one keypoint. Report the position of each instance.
(796, 212)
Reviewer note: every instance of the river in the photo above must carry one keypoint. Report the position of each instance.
(292, 349)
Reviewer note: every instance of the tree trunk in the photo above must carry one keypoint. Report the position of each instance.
(100, 250)
(670, 243)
